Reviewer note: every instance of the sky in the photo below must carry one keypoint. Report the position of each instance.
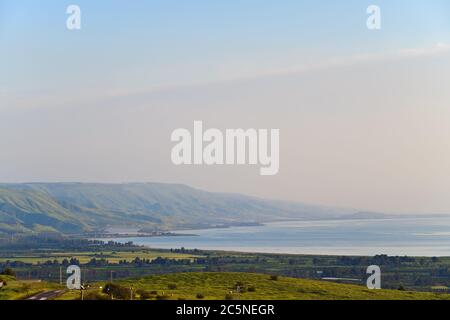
(363, 115)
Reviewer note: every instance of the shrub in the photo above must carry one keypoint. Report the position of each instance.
(144, 295)
(251, 289)
(95, 295)
(172, 286)
(117, 291)
(162, 297)
(154, 292)
(228, 296)
(274, 278)
(200, 296)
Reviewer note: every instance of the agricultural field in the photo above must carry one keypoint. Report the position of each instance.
(48, 259)
(40, 257)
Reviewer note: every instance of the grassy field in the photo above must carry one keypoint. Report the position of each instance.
(412, 273)
(218, 286)
(85, 257)
(16, 290)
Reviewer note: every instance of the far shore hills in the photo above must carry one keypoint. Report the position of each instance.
(154, 208)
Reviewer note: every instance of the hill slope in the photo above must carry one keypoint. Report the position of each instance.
(14, 289)
(77, 207)
(215, 286)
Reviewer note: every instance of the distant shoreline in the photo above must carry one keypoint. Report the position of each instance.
(343, 237)
(139, 235)
(177, 232)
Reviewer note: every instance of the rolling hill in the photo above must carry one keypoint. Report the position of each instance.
(217, 286)
(79, 207)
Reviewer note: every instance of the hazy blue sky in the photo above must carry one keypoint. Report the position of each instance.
(363, 114)
(128, 45)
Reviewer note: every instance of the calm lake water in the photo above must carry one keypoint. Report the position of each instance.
(418, 237)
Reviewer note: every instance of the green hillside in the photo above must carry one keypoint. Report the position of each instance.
(13, 289)
(217, 286)
(34, 210)
(77, 207)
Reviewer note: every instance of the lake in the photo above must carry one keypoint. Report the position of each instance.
(413, 237)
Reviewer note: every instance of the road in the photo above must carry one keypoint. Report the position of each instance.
(46, 295)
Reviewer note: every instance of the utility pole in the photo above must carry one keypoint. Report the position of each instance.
(131, 293)
(82, 288)
(60, 275)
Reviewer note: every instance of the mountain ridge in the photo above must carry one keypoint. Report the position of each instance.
(75, 207)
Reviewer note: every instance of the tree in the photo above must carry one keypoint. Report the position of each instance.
(8, 272)
(116, 291)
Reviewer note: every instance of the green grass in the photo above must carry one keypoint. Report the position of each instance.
(16, 290)
(215, 286)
